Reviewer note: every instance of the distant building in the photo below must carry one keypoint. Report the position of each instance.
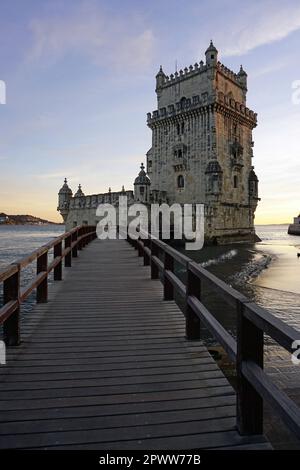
(294, 229)
(202, 150)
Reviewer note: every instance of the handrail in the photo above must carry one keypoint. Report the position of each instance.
(14, 296)
(247, 351)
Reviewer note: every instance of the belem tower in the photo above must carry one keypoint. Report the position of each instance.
(202, 150)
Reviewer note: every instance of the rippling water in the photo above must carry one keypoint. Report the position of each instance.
(242, 265)
(17, 241)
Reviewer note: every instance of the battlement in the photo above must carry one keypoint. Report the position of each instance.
(93, 200)
(197, 68)
(201, 102)
(184, 74)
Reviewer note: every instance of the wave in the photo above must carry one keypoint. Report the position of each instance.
(252, 270)
(220, 259)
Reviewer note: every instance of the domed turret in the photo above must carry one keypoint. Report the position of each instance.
(242, 78)
(160, 79)
(211, 55)
(253, 184)
(142, 186)
(79, 192)
(64, 197)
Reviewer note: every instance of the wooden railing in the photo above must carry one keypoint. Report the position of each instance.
(65, 247)
(247, 351)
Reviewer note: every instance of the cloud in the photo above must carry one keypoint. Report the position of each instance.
(86, 30)
(262, 23)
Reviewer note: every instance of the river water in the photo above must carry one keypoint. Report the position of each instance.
(267, 272)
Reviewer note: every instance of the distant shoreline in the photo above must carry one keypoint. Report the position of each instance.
(6, 219)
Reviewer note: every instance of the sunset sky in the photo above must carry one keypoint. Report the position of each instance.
(80, 80)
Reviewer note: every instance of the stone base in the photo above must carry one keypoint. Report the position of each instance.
(294, 229)
(234, 238)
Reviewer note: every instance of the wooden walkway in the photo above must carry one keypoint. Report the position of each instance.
(105, 365)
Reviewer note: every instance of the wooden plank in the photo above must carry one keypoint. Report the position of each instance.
(81, 437)
(107, 422)
(105, 364)
(115, 409)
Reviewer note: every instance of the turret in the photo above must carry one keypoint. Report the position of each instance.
(211, 55)
(253, 185)
(79, 192)
(160, 80)
(64, 197)
(242, 78)
(142, 186)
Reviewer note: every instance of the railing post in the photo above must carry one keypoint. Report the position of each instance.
(57, 251)
(154, 252)
(42, 289)
(68, 257)
(139, 248)
(192, 321)
(168, 286)
(146, 257)
(11, 327)
(75, 247)
(80, 243)
(250, 344)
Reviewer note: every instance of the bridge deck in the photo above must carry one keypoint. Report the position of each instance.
(105, 365)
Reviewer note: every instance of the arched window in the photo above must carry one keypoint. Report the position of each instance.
(235, 181)
(183, 102)
(180, 181)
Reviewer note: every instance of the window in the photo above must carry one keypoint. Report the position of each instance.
(212, 56)
(235, 181)
(142, 190)
(180, 181)
(179, 153)
(182, 127)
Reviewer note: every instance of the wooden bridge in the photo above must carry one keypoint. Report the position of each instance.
(107, 360)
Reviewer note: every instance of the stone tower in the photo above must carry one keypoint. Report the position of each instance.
(202, 146)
